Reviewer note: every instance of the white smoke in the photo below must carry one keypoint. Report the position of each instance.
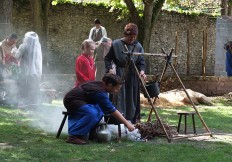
(47, 117)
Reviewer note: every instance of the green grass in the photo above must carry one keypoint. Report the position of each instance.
(26, 143)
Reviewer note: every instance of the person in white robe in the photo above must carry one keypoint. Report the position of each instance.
(30, 56)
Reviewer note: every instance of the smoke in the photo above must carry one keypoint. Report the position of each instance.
(46, 114)
(46, 117)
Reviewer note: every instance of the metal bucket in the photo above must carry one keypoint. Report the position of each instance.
(152, 89)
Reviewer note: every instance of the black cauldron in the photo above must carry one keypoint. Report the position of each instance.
(152, 89)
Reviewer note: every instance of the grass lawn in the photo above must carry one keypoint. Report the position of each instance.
(22, 141)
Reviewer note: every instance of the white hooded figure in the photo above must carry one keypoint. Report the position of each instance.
(30, 56)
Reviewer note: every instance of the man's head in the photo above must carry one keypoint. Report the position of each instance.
(97, 23)
(12, 39)
(112, 82)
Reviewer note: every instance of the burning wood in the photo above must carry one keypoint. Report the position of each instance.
(153, 129)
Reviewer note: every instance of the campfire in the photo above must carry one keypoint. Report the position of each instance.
(154, 129)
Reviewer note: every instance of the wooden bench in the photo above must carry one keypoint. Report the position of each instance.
(185, 114)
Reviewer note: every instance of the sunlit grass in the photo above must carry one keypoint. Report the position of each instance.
(28, 143)
(217, 116)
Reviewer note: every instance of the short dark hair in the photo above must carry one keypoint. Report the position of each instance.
(96, 21)
(12, 36)
(112, 79)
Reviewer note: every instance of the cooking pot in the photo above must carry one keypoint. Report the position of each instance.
(152, 89)
(103, 134)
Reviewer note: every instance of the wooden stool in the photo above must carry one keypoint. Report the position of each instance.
(186, 113)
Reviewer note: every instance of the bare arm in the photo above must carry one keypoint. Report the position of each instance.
(119, 117)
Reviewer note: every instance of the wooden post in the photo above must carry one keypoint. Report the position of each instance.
(176, 45)
(188, 52)
(204, 52)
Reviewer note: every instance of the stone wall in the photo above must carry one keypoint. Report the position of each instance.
(171, 26)
(69, 25)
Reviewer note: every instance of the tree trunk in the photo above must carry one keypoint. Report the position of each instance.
(39, 15)
(36, 16)
(151, 11)
(134, 17)
(133, 11)
(224, 7)
(229, 9)
(148, 11)
(5, 18)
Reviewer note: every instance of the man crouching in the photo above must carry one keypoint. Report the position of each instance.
(88, 103)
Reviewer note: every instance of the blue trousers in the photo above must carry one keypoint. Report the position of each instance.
(84, 119)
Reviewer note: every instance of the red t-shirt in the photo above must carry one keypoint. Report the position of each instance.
(85, 69)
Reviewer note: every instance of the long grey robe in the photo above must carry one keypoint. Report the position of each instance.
(128, 99)
(100, 53)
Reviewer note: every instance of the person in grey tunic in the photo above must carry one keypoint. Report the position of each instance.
(99, 54)
(128, 99)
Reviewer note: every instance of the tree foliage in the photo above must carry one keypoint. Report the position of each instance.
(211, 7)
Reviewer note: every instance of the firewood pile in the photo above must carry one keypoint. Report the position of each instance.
(154, 129)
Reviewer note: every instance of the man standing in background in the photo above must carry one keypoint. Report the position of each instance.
(7, 50)
(6, 47)
(97, 32)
